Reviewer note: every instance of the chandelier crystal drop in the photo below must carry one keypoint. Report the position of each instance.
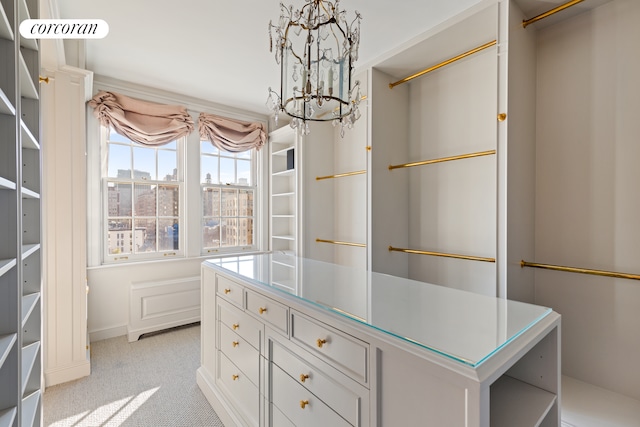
(316, 47)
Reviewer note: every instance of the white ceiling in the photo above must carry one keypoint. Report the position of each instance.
(219, 51)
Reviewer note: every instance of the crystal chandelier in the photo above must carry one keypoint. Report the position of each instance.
(316, 48)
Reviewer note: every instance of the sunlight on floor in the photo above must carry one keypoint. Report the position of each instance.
(109, 415)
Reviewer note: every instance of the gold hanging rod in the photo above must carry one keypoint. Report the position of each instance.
(340, 175)
(335, 242)
(550, 12)
(418, 252)
(581, 270)
(442, 64)
(443, 159)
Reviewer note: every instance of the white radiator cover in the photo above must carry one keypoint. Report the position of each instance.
(161, 305)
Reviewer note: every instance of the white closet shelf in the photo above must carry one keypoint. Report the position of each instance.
(284, 216)
(290, 193)
(5, 26)
(515, 403)
(23, 14)
(28, 194)
(27, 87)
(28, 250)
(7, 416)
(5, 184)
(29, 356)
(6, 265)
(284, 264)
(30, 408)
(282, 152)
(28, 140)
(6, 343)
(29, 302)
(284, 237)
(6, 107)
(284, 173)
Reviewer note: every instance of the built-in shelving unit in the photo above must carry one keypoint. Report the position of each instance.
(20, 270)
(284, 202)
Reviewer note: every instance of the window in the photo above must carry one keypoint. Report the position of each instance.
(228, 198)
(144, 189)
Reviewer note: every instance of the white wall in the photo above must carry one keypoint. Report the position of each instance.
(587, 198)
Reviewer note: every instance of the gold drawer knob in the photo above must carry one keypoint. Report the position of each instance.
(226, 291)
(235, 343)
(321, 342)
(303, 377)
(235, 326)
(502, 117)
(234, 377)
(303, 403)
(262, 310)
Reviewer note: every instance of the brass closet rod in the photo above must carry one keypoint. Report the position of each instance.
(442, 254)
(340, 175)
(581, 270)
(442, 64)
(550, 12)
(443, 159)
(335, 242)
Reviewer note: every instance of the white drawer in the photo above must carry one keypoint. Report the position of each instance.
(342, 400)
(243, 324)
(231, 291)
(278, 419)
(242, 391)
(299, 405)
(269, 310)
(345, 351)
(244, 356)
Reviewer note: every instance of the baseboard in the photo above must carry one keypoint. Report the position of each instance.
(68, 373)
(106, 333)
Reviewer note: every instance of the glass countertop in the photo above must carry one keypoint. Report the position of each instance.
(460, 325)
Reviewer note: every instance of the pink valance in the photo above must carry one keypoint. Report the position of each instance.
(144, 122)
(231, 135)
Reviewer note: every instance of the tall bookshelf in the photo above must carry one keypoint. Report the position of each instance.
(20, 252)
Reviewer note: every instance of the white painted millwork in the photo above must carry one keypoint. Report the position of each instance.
(344, 368)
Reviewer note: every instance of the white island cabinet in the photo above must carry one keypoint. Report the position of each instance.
(345, 347)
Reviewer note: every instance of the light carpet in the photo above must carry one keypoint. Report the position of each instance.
(150, 382)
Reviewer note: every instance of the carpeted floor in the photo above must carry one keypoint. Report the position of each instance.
(150, 382)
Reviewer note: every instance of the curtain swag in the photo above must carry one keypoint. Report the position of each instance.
(144, 122)
(231, 135)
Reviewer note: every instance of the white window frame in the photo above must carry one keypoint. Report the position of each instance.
(180, 183)
(254, 159)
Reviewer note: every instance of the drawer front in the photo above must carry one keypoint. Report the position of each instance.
(269, 310)
(345, 402)
(243, 392)
(244, 356)
(231, 291)
(345, 351)
(278, 419)
(299, 405)
(244, 325)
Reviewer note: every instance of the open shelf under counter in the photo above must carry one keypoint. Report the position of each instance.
(7, 417)
(6, 343)
(6, 265)
(5, 104)
(516, 403)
